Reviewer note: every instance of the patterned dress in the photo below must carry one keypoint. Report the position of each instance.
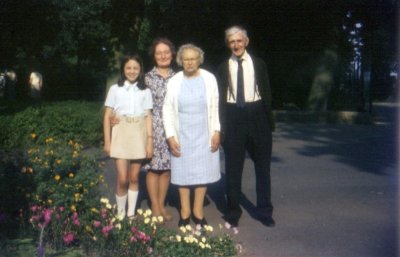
(197, 165)
(158, 86)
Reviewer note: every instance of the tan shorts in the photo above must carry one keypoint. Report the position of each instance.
(129, 139)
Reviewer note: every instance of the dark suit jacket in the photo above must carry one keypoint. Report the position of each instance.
(262, 79)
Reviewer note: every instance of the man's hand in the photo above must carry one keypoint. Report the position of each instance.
(174, 146)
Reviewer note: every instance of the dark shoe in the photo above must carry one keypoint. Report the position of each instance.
(268, 221)
(202, 222)
(183, 222)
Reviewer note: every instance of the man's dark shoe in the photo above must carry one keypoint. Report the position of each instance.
(268, 221)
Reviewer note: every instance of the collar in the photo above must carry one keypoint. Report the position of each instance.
(127, 85)
(244, 57)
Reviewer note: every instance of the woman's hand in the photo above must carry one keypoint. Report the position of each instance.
(107, 147)
(149, 148)
(174, 146)
(114, 120)
(215, 141)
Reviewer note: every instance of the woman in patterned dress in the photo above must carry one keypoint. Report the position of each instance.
(159, 167)
(191, 122)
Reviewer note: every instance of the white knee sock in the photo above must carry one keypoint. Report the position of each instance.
(132, 200)
(121, 203)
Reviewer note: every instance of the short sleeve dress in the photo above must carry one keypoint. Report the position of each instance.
(158, 86)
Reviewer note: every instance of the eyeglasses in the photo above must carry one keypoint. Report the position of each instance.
(190, 59)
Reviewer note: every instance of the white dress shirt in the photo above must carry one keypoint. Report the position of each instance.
(248, 77)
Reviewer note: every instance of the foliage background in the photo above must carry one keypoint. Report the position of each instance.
(76, 44)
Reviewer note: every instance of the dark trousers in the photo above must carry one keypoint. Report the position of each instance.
(247, 128)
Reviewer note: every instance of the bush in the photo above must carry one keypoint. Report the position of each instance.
(67, 120)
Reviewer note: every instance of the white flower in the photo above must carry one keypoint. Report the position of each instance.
(183, 229)
(178, 238)
(160, 219)
(108, 206)
(148, 212)
(140, 211)
(203, 239)
(118, 226)
(202, 245)
(188, 227)
(146, 220)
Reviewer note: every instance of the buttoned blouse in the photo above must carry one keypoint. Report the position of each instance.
(251, 93)
(129, 100)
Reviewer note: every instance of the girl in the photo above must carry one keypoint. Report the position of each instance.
(129, 141)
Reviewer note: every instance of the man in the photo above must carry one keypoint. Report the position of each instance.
(246, 124)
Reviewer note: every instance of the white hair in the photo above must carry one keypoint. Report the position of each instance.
(184, 47)
(233, 30)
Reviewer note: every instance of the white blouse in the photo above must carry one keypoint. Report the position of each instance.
(129, 100)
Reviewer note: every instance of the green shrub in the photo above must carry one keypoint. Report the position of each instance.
(67, 120)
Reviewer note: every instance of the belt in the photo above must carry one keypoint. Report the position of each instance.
(131, 119)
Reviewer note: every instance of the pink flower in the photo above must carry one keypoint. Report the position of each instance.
(96, 223)
(34, 208)
(103, 213)
(149, 250)
(106, 229)
(62, 208)
(133, 239)
(68, 238)
(134, 229)
(46, 216)
(77, 222)
(75, 216)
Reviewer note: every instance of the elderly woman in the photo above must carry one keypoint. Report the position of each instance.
(191, 122)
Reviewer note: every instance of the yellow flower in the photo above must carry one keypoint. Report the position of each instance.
(160, 219)
(30, 170)
(57, 177)
(75, 154)
(23, 170)
(154, 219)
(33, 135)
(118, 226)
(50, 201)
(202, 245)
(58, 161)
(178, 238)
(140, 211)
(71, 175)
(208, 246)
(203, 239)
(73, 208)
(88, 228)
(108, 206)
(188, 227)
(183, 229)
(208, 228)
(146, 220)
(94, 210)
(104, 200)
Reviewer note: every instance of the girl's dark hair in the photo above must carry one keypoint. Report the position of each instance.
(156, 42)
(140, 80)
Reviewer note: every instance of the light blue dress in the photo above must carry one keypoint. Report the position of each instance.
(197, 165)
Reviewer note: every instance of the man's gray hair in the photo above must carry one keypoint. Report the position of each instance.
(233, 30)
(184, 47)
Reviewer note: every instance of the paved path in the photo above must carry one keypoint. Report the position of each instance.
(334, 192)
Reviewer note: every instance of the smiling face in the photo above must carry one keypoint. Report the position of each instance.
(238, 43)
(190, 62)
(163, 55)
(132, 70)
